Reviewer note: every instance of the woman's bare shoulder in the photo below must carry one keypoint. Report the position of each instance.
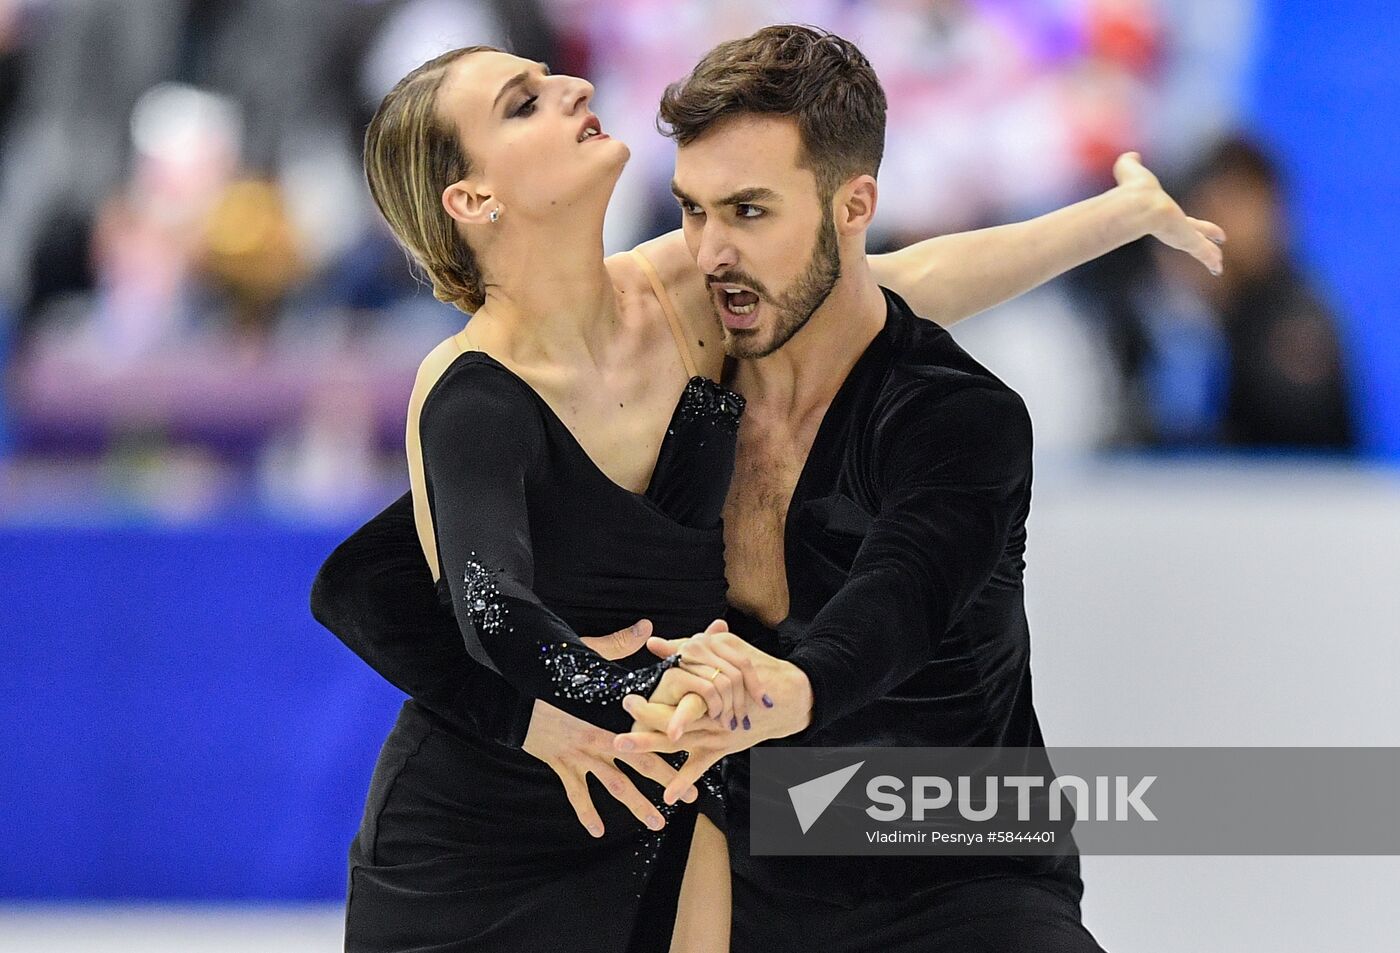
(685, 288)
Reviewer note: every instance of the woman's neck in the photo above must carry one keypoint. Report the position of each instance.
(549, 300)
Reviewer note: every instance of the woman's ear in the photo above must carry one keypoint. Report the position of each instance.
(467, 203)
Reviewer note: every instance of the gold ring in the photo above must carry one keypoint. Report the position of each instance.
(715, 675)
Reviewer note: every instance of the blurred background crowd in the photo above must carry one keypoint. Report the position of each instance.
(200, 310)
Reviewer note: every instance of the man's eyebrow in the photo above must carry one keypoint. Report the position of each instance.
(746, 196)
(515, 82)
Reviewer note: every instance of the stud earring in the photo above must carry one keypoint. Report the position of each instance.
(495, 215)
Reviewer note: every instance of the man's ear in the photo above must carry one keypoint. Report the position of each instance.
(855, 205)
(468, 203)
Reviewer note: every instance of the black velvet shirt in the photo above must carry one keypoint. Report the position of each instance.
(904, 546)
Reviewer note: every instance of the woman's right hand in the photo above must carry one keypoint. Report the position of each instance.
(574, 749)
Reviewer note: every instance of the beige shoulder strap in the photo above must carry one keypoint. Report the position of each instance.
(660, 291)
(429, 371)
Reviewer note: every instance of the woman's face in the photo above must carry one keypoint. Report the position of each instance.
(537, 149)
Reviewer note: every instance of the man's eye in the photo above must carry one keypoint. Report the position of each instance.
(691, 209)
(748, 211)
(525, 108)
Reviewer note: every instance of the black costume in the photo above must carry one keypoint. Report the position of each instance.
(903, 549)
(467, 842)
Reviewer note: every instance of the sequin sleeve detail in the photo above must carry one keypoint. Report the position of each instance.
(583, 675)
(576, 673)
(482, 600)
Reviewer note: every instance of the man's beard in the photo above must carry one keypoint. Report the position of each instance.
(796, 305)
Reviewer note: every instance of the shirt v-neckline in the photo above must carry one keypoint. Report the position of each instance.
(823, 442)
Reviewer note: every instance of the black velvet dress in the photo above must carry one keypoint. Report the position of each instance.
(467, 842)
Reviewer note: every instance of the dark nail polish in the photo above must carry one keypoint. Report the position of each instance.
(747, 726)
(733, 723)
(767, 701)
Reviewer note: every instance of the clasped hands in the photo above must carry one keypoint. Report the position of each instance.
(723, 696)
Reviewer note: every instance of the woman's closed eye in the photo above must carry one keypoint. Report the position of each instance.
(526, 108)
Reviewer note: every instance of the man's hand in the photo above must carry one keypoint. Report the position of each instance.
(1165, 220)
(670, 721)
(574, 749)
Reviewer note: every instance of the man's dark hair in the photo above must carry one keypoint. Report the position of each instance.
(815, 77)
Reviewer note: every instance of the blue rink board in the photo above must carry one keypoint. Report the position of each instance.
(175, 723)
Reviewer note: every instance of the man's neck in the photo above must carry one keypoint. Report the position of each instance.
(803, 375)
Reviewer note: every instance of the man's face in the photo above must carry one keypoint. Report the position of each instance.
(758, 230)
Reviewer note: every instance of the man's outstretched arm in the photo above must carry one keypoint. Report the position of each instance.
(952, 277)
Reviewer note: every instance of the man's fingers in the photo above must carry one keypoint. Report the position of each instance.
(646, 741)
(650, 716)
(697, 764)
(577, 792)
(622, 789)
(657, 769)
(690, 710)
(679, 681)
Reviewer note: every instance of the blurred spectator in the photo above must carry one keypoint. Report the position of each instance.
(1249, 359)
(1287, 381)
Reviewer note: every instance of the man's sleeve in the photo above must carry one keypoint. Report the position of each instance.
(375, 593)
(954, 471)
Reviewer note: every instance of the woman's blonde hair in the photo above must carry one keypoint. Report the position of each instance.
(411, 155)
